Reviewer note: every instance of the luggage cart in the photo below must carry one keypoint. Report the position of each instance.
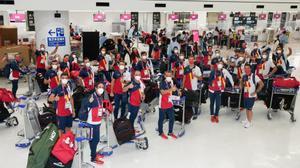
(32, 128)
(283, 91)
(180, 102)
(235, 110)
(84, 133)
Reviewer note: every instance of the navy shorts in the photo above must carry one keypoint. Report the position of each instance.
(249, 103)
(64, 122)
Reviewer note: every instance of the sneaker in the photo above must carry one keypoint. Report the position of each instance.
(98, 160)
(212, 119)
(247, 125)
(172, 135)
(217, 119)
(163, 136)
(195, 117)
(244, 121)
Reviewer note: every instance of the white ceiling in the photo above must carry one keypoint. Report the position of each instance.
(148, 5)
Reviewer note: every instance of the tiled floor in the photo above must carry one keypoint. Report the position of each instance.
(268, 144)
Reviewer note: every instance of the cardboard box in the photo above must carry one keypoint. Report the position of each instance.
(11, 51)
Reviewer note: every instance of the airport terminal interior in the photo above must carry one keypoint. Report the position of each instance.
(149, 84)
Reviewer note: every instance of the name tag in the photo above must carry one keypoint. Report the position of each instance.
(90, 82)
(181, 72)
(101, 111)
(219, 83)
(68, 105)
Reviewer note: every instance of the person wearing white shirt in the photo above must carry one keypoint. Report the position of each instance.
(249, 83)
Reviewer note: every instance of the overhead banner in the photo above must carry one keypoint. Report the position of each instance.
(156, 20)
(30, 21)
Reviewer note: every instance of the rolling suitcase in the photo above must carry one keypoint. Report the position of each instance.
(124, 131)
(41, 147)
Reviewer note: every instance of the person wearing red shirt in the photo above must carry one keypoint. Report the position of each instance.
(51, 76)
(87, 76)
(217, 84)
(117, 85)
(136, 96)
(62, 96)
(178, 70)
(166, 105)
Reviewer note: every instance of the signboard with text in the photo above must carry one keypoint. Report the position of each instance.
(56, 37)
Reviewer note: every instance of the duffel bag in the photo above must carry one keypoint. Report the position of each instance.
(53, 162)
(65, 148)
(46, 118)
(41, 147)
(291, 82)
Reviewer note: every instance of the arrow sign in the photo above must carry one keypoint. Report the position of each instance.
(50, 32)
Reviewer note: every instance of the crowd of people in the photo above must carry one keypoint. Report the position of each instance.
(182, 63)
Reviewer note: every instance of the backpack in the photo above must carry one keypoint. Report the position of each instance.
(6, 70)
(41, 147)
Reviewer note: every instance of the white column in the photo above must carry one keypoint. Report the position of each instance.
(46, 25)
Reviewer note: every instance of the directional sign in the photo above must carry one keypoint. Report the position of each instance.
(56, 37)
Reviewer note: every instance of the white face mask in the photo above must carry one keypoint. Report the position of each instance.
(42, 49)
(137, 78)
(168, 79)
(217, 54)
(100, 91)
(175, 51)
(103, 52)
(220, 66)
(264, 56)
(181, 57)
(64, 81)
(255, 47)
(122, 67)
(88, 64)
(279, 51)
(144, 57)
(54, 67)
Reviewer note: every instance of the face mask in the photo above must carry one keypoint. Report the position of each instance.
(175, 51)
(264, 56)
(88, 64)
(42, 49)
(255, 47)
(74, 56)
(100, 91)
(137, 78)
(64, 81)
(144, 57)
(122, 67)
(54, 67)
(220, 66)
(217, 54)
(103, 52)
(181, 57)
(279, 51)
(75, 60)
(168, 79)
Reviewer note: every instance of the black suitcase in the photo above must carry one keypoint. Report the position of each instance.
(4, 114)
(178, 111)
(124, 131)
(191, 98)
(151, 92)
(46, 118)
(53, 162)
(224, 99)
(78, 97)
(234, 100)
